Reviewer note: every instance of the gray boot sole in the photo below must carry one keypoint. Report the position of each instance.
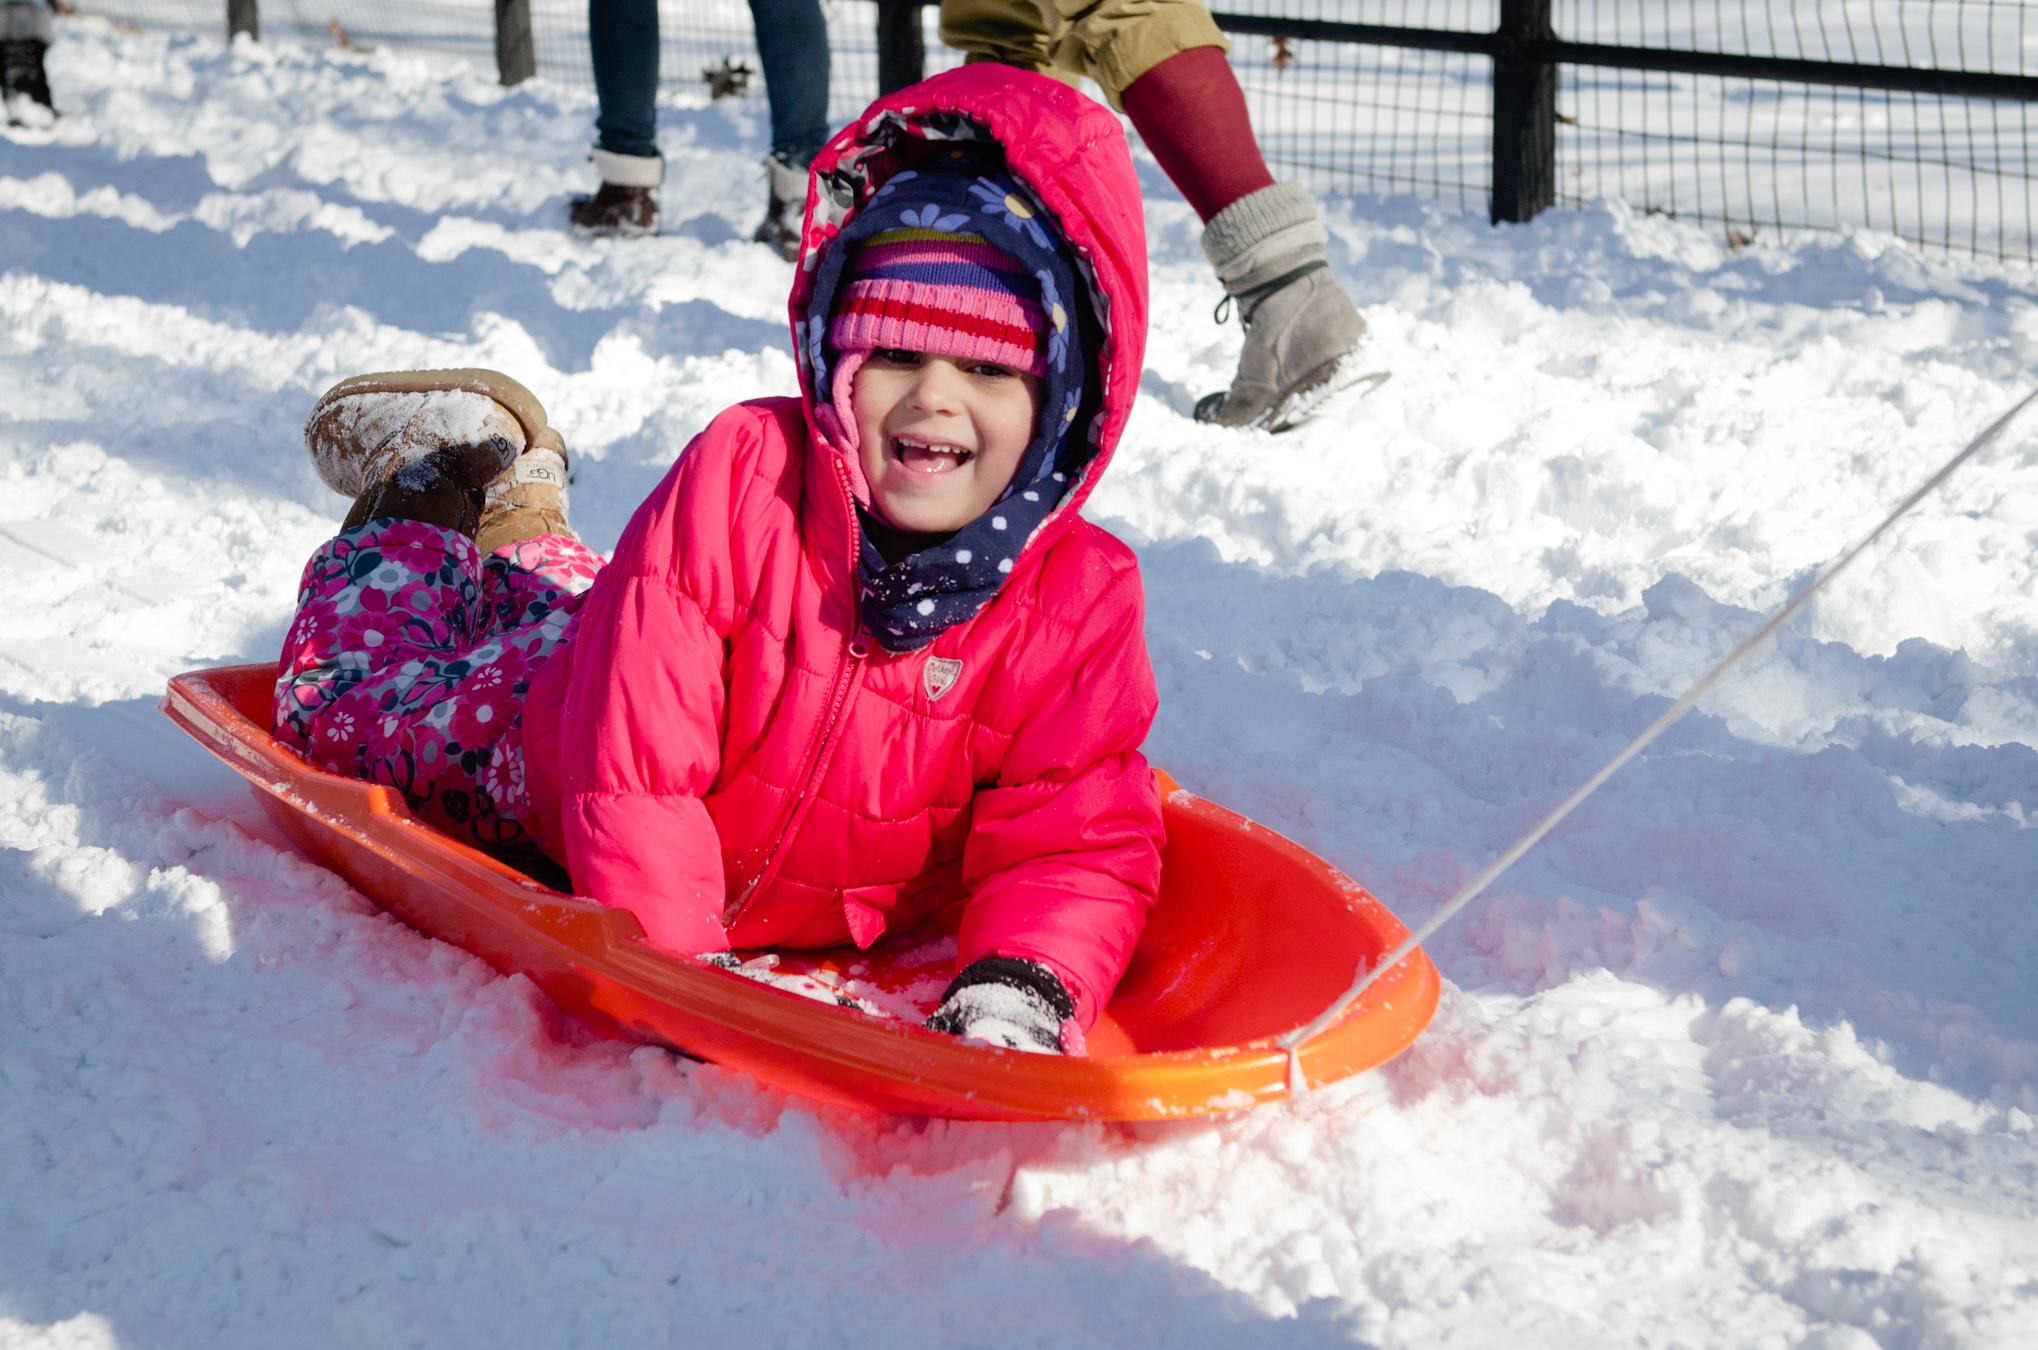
(1345, 373)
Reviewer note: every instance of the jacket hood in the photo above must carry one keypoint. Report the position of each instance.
(1069, 153)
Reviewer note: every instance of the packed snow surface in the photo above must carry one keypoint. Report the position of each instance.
(1746, 1054)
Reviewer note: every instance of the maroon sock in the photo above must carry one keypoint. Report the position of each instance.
(1191, 113)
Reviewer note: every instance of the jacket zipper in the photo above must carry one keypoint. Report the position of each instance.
(846, 677)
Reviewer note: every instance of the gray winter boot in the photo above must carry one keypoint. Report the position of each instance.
(420, 444)
(786, 210)
(1300, 326)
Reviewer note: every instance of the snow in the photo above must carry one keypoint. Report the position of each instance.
(1745, 1054)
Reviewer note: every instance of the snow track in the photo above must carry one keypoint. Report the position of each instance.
(1746, 1054)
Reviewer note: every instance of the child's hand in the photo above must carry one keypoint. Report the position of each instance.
(1013, 1004)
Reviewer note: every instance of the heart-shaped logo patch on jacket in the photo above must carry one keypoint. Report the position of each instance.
(939, 675)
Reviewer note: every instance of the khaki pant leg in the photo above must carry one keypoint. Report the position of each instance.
(1114, 42)
(1011, 32)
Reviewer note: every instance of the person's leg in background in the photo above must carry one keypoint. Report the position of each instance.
(1162, 63)
(25, 35)
(792, 46)
(622, 39)
(1010, 32)
(1263, 238)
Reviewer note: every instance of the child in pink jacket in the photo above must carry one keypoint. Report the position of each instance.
(858, 660)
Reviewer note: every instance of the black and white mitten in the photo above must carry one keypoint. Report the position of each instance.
(1008, 1002)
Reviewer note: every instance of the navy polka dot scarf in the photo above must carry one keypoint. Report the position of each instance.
(909, 603)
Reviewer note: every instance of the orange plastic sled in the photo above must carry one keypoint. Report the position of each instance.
(1252, 937)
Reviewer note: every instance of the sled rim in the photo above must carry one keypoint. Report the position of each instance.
(596, 965)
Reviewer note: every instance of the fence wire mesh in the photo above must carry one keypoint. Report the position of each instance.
(1347, 118)
(1758, 159)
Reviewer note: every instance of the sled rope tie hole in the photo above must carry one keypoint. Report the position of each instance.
(1293, 1041)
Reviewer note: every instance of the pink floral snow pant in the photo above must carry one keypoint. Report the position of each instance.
(409, 661)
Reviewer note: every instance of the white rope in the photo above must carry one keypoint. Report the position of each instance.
(1293, 1041)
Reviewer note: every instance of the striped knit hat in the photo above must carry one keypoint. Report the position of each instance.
(928, 290)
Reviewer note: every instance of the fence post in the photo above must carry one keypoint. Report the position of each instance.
(516, 55)
(243, 16)
(1524, 113)
(901, 45)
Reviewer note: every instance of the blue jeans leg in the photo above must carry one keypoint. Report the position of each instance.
(792, 45)
(622, 37)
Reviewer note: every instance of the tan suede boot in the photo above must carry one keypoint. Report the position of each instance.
(529, 499)
(420, 444)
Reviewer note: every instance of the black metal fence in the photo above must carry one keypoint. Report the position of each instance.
(1913, 117)
(1901, 116)
(1761, 119)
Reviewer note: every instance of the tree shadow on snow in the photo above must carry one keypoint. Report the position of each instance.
(283, 283)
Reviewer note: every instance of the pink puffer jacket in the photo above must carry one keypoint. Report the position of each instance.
(723, 751)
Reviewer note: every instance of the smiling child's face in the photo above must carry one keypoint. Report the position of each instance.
(940, 437)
